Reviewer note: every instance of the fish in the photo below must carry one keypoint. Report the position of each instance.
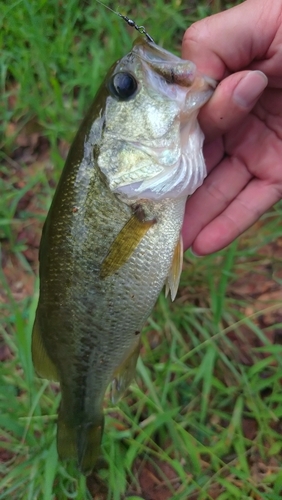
(112, 238)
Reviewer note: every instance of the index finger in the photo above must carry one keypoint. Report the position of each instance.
(231, 40)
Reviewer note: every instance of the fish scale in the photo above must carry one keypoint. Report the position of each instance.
(111, 239)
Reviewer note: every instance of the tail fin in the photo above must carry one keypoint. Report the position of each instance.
(81, 442)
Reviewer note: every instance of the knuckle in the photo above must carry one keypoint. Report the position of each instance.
(215, 191)
(196, 33)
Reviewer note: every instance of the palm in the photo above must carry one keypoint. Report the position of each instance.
(246, 177)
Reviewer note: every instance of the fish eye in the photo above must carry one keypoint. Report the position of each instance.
(123, 86)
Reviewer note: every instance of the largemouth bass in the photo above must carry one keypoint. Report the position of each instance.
(112, 237)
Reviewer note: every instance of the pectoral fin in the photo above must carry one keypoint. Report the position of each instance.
(124, 375)
(124, 245)
(173, 278)
(43, 365)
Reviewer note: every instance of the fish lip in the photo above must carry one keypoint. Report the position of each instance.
(142, 46)
(174, 69)
(169, 66)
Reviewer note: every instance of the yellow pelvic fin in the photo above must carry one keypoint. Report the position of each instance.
(81, 442)
(174, 274)
(124, 374)
(43, 365)
(124, 245)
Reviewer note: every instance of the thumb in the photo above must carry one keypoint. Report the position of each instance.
(232, 100)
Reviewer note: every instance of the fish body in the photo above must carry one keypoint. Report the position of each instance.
(112, 236)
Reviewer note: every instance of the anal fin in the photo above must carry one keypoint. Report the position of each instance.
(173, 278)
(124, 374)
(43, 365)
(124, 244)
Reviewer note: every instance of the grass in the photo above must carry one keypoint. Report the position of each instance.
(203, 420)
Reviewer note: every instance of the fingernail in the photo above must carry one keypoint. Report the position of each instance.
(194, 253)
(250, 88)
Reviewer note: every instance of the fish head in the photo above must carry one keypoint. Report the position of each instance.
(151, 143)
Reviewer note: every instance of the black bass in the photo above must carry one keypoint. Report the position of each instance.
(112, 236)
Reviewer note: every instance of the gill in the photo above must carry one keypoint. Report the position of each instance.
(130, 22)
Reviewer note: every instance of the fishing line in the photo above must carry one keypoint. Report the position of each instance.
(130, 22)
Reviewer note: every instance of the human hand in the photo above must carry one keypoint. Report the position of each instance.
(242, 122)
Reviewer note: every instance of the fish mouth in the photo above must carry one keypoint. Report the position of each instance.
(171, 67)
